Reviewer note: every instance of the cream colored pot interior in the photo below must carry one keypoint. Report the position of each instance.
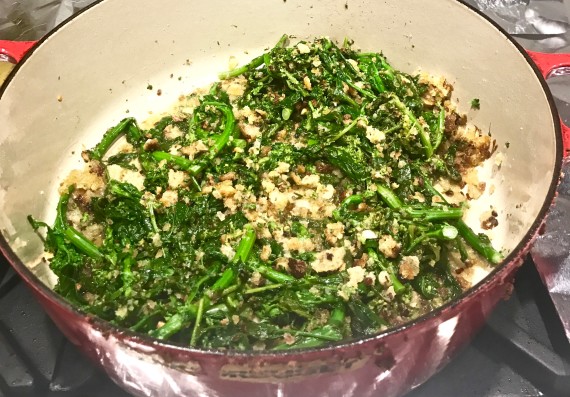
(99, 67)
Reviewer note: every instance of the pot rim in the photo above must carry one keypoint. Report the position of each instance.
(123, 333)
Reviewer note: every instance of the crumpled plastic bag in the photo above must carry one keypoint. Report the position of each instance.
(551, 252)
(539, 25)
(31, 19)
(510, 14)
(69, 7)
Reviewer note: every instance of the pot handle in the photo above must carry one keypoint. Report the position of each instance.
(547, 63)
(15, 50)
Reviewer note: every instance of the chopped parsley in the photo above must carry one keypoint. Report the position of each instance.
(475, 103)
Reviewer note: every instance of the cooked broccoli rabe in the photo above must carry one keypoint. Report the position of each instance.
(289, 206)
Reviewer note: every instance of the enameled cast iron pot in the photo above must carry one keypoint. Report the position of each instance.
(93, 69)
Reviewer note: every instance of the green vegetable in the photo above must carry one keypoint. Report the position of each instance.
(256, 62)
(415, 125)
(297, 214)
(475, 103)
(479, 243)
(109, 138)
(219, 142)
(439, 128)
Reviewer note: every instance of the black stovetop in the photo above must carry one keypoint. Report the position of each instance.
(522, 351)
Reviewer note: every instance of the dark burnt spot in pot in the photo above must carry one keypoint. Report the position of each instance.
(490, 222)
(95, 167)
(385, 362)
(383, 358)
(151, 145)
(82, 199)
(509, 288)
(297, 267)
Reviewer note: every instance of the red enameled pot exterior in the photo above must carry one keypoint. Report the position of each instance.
(386, 366)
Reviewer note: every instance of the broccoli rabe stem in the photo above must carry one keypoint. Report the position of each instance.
(181, 319)
(387, 68)
(60, 219)
(274, 275)
(220, 141)
(242, 253)
(255, 63)
(257, 290)
(429, 214)
(337, 317)
(340, 71)
(330, 332)
(64, 231)
(175, 323)
(293, 83)
(462, 250)
(351, 200)
(389, 197)
(213, 270)
(191, 310)
(438, 136)
(396, 283)
(134, 133)
(180, 161)
(346, 203)
(127, 275)
(196, 329)
(152, 216)
(445, 232)
(245, 244)
(229, 123)
(376, 80)
(225, 280)
(478, 244)
(421, 130)
(143, 321)
(36, 224)
(83, 244)
(342, 132)
(429, 186)
(434, 214)
(109, 138)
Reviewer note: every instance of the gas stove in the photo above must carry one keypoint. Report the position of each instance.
(522, 350)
